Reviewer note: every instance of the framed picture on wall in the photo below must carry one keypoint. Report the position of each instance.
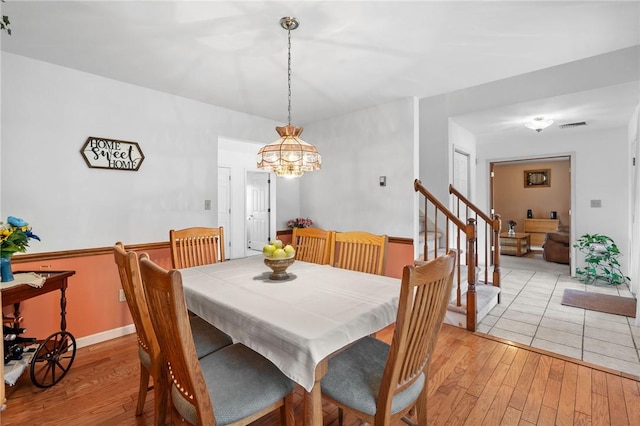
(537, 178)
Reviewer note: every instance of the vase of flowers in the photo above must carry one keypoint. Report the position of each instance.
(512, 227)
(299, 222)
(14, 238)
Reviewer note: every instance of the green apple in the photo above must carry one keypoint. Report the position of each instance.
(289, 250)
(268, 250)
(277, 243)
(279, 254)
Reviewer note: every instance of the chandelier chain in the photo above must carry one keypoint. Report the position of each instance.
(289, 70)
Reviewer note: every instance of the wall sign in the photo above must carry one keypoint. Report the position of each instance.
(101, 153)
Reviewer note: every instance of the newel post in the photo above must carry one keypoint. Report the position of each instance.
(471, 274)
(497, 228)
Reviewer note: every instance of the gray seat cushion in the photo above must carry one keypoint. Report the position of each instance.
(355, 374)
(240, 382)
(207, 338)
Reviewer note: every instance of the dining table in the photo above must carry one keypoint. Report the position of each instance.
(296, 323)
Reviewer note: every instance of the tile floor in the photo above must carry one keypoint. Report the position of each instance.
(531, 313)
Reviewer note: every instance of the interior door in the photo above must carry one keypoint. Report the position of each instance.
(257, 210)
(224, 205)
(461, 161)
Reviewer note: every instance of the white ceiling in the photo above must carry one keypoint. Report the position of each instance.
(346, 55)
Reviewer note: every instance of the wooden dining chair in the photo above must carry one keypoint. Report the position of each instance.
(379, 383)
(359, 251)
(208, 338)
(234, 385)
(196, 246)
(312, 244)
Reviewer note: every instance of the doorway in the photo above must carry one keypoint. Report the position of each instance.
(514, 198)
(258, 209)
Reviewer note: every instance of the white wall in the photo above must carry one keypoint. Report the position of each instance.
(48, 113)
(599, 174)
(357, 149)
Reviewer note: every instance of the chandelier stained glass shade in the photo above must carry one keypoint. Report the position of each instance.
(289, 156)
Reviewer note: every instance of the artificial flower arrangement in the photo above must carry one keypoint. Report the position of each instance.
(14, 236)
(299, 222)
(512, 223)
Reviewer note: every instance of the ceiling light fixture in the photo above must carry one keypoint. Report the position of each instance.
(289, 156)
(539, 123)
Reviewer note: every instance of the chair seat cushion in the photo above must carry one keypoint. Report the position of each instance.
(241, 382)
(354, 375)
(207, 338)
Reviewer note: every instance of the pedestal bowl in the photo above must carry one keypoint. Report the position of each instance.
(279, 267)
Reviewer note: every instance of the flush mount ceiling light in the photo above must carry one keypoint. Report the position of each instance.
(538, 123)
(289, 156)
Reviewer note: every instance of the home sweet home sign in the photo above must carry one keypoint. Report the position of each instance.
(102, 153)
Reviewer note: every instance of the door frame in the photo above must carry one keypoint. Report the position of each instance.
(572, 166)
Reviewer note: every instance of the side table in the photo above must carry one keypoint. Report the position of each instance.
(517, 244)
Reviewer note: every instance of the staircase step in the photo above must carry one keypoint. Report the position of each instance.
(485, 294)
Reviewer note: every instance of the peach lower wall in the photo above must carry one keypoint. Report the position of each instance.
(92, 295)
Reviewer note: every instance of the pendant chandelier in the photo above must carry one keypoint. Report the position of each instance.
(289, 156)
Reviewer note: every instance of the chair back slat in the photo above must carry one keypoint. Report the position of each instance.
(312, 244)
(359, 251)
(424, 296)
(170, 319)
(196, 246)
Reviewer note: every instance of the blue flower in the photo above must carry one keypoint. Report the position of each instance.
(16, 221)
(30, 234)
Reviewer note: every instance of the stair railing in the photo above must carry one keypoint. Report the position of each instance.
(488, 231)
(435, 212)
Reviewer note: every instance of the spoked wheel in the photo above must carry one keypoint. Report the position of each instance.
(53, 359)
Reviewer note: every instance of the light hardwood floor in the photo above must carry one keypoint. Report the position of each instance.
(475, 379)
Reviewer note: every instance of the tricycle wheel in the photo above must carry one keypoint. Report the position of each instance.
(53, 358)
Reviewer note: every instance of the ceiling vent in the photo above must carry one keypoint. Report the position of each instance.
(570, 125)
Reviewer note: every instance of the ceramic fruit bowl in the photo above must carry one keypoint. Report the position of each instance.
(279, 267)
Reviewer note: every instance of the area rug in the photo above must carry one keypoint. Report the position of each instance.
(616, 305)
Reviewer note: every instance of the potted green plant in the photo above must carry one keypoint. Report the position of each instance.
(601, 257)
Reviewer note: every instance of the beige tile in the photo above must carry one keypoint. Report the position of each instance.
(603, 290)
(510, 335)
(535, 310)
(498, 310)
(516, 326)
(558, 348)
(566, 308)
(613, 350)
(535, 295)
(609, 336)
(525, 300)
(618, 327)
(573, 317)
(557, 336)
(603, 316)
(522, 317)
(483, 328)
(489, 320)
(564, 326)
(614, 363)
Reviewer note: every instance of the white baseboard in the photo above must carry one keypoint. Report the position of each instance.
(105, 335)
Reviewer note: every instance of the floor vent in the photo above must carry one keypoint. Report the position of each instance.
(569, 125)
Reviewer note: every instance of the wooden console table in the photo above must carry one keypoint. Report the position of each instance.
(517, 244)
(538, 229)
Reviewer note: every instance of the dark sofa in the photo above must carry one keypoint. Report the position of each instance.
(556, 247)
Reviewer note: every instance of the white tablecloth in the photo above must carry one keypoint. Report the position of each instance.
(294, 323)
